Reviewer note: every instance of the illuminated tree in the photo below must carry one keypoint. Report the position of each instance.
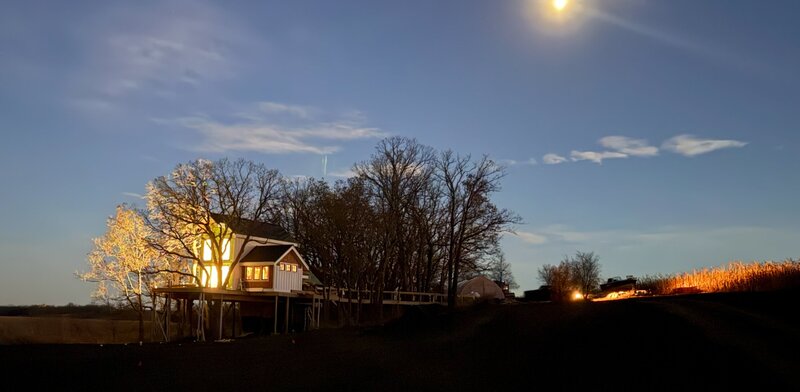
(193, 212)
(581, 273)
(558, 278)
(185, 209)
(123, 264)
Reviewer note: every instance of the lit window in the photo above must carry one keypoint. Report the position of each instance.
(265, 273)
(294, 268)
(226, 250)
(208, 276)
(257, 272)
(249, 274)
(207, 250)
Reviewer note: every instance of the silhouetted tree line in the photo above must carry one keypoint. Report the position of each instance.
(578, 274)
(411, 219)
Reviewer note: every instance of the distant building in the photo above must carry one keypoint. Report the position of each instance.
(480, 288)
(505, 287)
(542, 294)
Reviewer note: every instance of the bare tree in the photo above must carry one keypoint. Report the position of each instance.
(558, 278)
(585, 272)
(196, 207)
(580, 273)
(473, 222)
(186, 208)
(500, 270)
(395, 177)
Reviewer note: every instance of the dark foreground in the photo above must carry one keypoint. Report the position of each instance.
(672, 343)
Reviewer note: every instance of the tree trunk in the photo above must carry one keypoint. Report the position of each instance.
(141, 322)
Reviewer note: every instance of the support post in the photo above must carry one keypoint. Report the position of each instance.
(221, 316)
(286, 319)
(233, 329)
(167, 308)
(275, 317)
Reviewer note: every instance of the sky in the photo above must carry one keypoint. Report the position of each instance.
(662, 135)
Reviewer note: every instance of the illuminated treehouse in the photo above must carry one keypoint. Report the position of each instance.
(248, 256)
(243, 271)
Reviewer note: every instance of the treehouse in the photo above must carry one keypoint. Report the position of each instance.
(263, 256)
(245, 271)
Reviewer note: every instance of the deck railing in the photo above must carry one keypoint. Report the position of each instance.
(367, 296)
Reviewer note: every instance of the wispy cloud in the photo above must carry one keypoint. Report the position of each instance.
(345, 173)
(513, 162)
(629, 146)
(531, 238)
(163, 50)
(262, 134)
(282, 108)
(133, 194)
(618, 147)
(596, 157)
(688, 145)
(553, 159)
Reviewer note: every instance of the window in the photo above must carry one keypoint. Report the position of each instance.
(249, 273)
(257, 273)
(208, 276)
(226, 250)
(282, 267)
(294, 268)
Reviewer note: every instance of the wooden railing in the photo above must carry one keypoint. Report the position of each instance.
(387, 297)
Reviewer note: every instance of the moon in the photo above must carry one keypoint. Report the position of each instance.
(559, 5)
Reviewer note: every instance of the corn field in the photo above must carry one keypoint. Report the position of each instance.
(736, 276)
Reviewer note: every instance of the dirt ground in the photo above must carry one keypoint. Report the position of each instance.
(718, 341)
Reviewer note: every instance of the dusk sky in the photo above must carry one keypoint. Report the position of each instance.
(662, 135)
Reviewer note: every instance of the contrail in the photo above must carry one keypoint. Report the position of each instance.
(324, 165)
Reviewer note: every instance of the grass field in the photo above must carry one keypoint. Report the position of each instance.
(736, 276)
(694, 342)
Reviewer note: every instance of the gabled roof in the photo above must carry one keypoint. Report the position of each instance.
(254, 229)
(266, 253)
(273, 253)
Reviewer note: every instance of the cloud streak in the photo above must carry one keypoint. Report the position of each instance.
(689, 145)
(596, 157)
(531, 238)
(260, 133)
(513, 162)
(629, 146)
(619, 147)
(133, 194)
(553, 159)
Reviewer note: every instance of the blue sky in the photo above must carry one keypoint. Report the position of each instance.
(660, 134)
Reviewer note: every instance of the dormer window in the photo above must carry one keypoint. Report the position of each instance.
(226, 250)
